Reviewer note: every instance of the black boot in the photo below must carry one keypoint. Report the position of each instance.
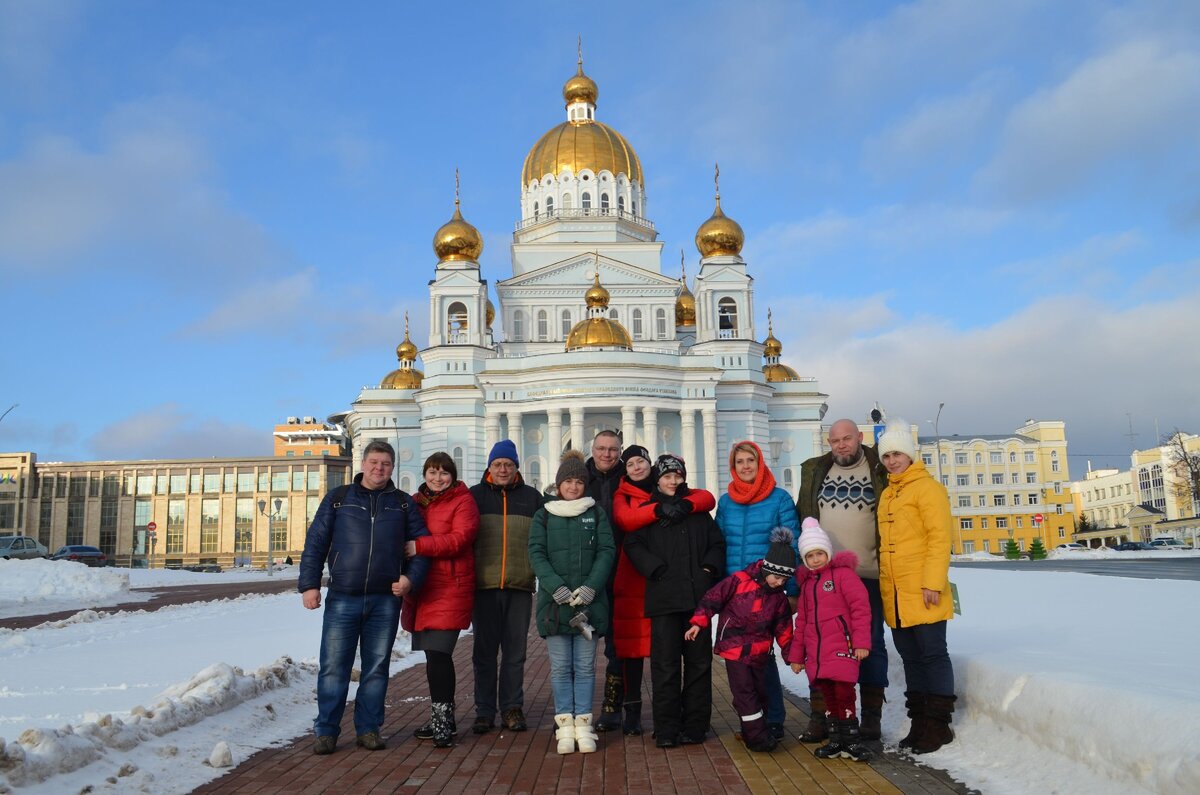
(426, 732)
(441, 723)
(852, 746)
(937, 732)
(610, 710)
(872, 712)
(632, 727)
(817, 729)
(914, 702)
(833, 748)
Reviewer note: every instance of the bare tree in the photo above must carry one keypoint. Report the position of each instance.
(1185, 463)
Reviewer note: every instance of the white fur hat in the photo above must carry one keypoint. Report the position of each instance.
(812, 537)
(897, 438)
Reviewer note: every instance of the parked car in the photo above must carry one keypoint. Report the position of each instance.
(1072, 545)
(21, 548)
(1133, 546)
(91, 556)
(1168, 543)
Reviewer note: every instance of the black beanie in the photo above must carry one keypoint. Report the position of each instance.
(668, 463)
(636, 451)
(781, 557)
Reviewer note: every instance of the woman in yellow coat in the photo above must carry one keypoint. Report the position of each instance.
(914, 568)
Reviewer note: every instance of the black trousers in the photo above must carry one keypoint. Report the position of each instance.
(680, 677)
(501, 624)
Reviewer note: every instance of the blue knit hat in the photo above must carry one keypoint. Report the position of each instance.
(504, 449)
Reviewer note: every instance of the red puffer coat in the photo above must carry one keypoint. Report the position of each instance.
(833, 618)
(446, 599)
(633, 510)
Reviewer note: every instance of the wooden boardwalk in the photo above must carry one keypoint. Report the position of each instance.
(526, 762)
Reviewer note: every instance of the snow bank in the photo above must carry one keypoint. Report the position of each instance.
(39, 754)
(28, 583)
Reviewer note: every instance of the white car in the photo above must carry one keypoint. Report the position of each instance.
(1168, 543)
(1072, 545)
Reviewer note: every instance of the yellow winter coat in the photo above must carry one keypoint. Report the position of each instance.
(914, 547)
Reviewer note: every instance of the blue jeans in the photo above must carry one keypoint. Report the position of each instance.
(873, 670)
(927, 667)
(572, 673)
(367, 623)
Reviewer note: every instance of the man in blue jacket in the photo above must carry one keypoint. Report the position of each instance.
(360, 530)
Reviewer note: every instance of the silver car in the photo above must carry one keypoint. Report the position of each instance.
(21, 548)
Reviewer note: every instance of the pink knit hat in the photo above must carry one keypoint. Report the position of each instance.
(813, 537)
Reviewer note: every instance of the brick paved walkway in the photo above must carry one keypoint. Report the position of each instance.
(526, 762)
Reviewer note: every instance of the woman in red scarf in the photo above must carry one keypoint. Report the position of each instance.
(754, 506)
(442, 608)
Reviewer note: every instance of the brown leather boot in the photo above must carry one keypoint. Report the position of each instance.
(872, 712)
(937, 732)
(818, 727)
(914, 702)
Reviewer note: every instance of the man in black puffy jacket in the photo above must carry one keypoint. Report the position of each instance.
(361, 531)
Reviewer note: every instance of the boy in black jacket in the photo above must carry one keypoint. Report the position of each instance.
(681, 556)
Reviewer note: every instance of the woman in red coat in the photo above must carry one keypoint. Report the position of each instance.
(442, 608)
(633, 510)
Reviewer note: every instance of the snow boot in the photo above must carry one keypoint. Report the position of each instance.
(817, 729)
(937, 732)
(872, 712)
(852, 746)
(585, 734)
(914, 702)
(632, 727)
(442, 724)
(610, 710)
(832, 749)
(426, 732)
(565, 734)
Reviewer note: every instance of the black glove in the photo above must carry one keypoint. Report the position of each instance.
(676, 511)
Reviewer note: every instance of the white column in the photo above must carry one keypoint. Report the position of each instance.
(577, 442)
(711, 471)
(629, 424)
(650, 424)
(687, 421)
(554, 442)
(515, 433)
(491, 425)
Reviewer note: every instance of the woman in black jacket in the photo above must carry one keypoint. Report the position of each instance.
(681, 556)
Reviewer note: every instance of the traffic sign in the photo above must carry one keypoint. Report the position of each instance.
(1038, 518)
(152, 527)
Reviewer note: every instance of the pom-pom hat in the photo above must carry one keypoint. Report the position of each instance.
(781, 558)
(812, 537)
(572, 467)
(897, 438)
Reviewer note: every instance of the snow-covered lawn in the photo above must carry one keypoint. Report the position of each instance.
(1067, 683)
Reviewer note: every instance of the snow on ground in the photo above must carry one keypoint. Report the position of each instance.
(35, 587)
(1066, 682)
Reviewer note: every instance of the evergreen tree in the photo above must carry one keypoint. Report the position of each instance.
(1011, 550)
(1037, 551)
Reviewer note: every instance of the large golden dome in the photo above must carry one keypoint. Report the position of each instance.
(597, 331)
(457, 239)
(580, 88)
(719, 235)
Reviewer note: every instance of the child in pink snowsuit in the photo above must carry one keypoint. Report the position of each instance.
(832, 635)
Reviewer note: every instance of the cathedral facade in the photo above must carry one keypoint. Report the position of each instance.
(595, 335)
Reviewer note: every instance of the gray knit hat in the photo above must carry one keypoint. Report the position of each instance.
(571, 467)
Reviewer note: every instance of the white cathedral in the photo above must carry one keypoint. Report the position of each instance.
(595, 335)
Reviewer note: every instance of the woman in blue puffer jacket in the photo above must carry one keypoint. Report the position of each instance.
(746, 514)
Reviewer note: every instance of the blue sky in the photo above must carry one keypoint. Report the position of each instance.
(213, 215)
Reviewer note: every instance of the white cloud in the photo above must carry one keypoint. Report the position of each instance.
(1063, 357)
(167, 431)
(31, 35)
(1137, 105)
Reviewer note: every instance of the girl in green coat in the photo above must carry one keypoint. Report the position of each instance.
(572, 552)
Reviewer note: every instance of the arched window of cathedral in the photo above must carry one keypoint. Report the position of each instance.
(457, 455)
(635, 209)
(566, 323)
(518, 329)
(535, 473)
(620, 204)
(727, 318)
(543, 325)
(585, 201)
(549, 206)
(787, 479)
(456, 322)
(637, 324)
(535, 211)
(612, 314)
(604, 204)
(406, 482)
(566, 201)
(660, 324)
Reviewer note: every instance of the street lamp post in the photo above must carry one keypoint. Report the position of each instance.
(262, 509)
(937, 439)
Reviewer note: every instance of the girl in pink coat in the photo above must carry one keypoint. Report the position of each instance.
(832, 635)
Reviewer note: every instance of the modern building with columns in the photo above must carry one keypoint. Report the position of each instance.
(595, 335)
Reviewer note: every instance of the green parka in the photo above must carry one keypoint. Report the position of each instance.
(571, 550)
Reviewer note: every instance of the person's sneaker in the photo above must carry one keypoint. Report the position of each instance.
(690, 738)
(667, 741)
(325, 744)
(514, 720)
(371, 741)
(482, 725)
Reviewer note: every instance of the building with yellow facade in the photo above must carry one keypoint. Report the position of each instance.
(1005, 486)
(301, 436)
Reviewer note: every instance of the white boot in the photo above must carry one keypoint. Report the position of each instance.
(585, 735)
(565, 733)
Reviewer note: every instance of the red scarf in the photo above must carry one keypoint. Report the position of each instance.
(748, 493)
